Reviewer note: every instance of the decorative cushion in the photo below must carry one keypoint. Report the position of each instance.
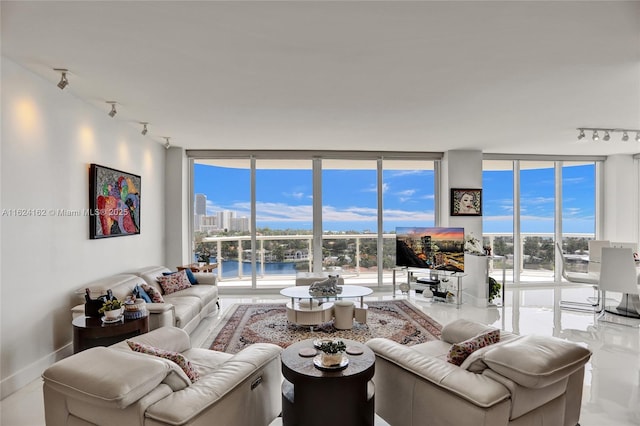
(174, 282)
(176, 357)
(192, 278)
(141, 294)
(460, 351)
(154, 294)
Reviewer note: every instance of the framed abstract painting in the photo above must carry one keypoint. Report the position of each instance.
(114, 203)
(466, 202)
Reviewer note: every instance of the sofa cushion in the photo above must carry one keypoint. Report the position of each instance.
(176, 357)
(140, 293)
(174, 282)
(185, 308)
(154, 294)
(537, 361)
(206, 294)
(461, 329)
(460, 351)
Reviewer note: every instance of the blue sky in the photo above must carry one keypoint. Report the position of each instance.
(284, 198)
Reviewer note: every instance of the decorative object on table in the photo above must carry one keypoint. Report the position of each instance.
(487, 250)
(112, 309)
(114, 203)
(331, 355)
(472, 245)
(494, 288)
(307, 352)
(135, 308)
(404, 288)
(327, 287)
(92, 306)
(466, 202)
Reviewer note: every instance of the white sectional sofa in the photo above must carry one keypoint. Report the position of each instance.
(183, 309)
(117, 386)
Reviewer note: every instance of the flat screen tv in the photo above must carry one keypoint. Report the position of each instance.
(431, 248)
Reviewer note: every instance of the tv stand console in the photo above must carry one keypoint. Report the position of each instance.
(449, 281)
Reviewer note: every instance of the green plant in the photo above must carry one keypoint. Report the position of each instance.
(333, 347)
(110, 305)
(494, 288)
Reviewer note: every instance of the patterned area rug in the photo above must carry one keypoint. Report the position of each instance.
(245, 324)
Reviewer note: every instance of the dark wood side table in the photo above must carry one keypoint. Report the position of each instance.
(89, 332)
(314, 397)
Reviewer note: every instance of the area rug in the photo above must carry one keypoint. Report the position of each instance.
(245, 324)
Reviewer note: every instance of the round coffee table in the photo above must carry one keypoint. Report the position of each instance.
(314, 397)
(310, 314)
(89, 331)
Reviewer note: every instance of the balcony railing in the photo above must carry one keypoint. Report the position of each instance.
(537, 264)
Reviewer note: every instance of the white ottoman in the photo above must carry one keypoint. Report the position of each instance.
(343, 314)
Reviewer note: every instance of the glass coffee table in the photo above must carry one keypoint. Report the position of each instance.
(305, 309)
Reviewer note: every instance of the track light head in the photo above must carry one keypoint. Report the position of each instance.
(581, 134)
(637, 136)
(167, 145)
(606, 136)
(625, 136)
(144, 128)
(113, 111)
(595, 136)
(63, 77)
(607, 133)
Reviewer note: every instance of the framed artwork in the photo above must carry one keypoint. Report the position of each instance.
(114, 203)
(466, 202)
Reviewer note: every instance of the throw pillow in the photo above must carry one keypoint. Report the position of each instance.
(192, 278)
(154, 294)
(141, 294)
(174, 282)
(176, 357)
(460, 351)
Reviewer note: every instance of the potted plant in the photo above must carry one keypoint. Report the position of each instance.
(494, 288)
(332, 352)
(111, 309)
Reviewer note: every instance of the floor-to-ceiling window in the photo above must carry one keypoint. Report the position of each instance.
(532, 203)
(257, 215)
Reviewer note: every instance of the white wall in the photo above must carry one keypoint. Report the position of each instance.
(49, 138)
(620, 195)
(463, 169)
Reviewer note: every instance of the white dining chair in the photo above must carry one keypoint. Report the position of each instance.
(595, 253)
(619, 274)
(590, 278)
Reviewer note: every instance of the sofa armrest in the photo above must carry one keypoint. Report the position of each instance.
(106, 377)
(537, 361)
(213, 387)
(156, 308)
(475, 388)
(206, 278)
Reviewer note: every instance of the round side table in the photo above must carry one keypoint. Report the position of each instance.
(89, 331)
(314, 397)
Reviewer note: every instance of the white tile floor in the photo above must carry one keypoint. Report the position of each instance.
(612, 380)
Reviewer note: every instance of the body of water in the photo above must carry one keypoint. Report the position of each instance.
(230, 268)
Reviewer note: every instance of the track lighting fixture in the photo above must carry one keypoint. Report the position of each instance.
(144, 128)
(607, 133)
(113, 111)
(63, 77)
(167, 144)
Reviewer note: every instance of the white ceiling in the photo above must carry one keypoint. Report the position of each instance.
(502, 77)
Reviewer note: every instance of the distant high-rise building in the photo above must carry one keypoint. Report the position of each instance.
(224, 219)
(240, 224)
(200, 211)
(201, 204)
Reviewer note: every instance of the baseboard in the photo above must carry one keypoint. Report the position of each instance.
(30, 373)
